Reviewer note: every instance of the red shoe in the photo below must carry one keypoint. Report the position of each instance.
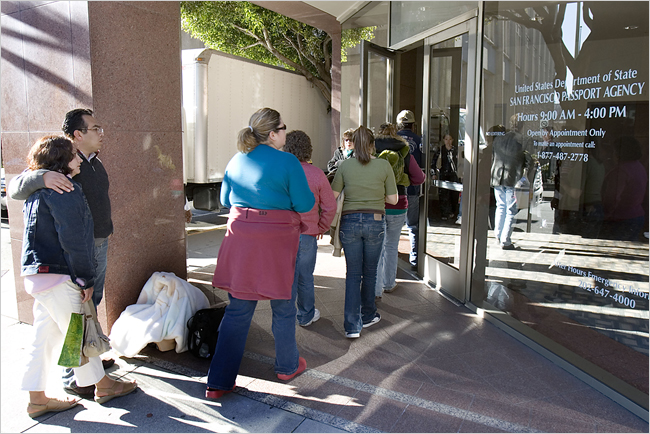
(217, 393)
(302, 365)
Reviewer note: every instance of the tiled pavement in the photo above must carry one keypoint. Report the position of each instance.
(427, 366)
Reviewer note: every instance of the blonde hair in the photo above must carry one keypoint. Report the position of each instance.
(347, 134)
(364, 144)
(260, 125)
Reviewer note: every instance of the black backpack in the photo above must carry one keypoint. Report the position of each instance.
(204, 330)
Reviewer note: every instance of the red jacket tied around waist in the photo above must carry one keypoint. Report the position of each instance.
(257, 257)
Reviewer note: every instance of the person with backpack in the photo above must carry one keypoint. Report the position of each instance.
(395, 149)
(368, 182)
(406, 129)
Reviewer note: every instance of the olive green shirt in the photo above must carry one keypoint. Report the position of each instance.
(366, 186)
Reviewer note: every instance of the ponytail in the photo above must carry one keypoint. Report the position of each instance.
(260, 125)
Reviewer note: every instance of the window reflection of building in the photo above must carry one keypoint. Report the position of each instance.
(555, 283)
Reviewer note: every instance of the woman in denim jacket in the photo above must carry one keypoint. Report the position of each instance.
(59, 270)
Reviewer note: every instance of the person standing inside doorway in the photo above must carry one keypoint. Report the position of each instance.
(447, 171)
(87, 135)
(405, 125)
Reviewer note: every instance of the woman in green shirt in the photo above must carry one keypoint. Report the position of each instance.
(369, 183)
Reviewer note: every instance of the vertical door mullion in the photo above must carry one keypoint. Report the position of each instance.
(363, 85)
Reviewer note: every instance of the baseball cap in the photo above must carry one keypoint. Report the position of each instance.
(406, 117)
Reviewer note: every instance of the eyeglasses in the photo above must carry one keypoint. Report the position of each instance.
(284, 127)
(98, 129)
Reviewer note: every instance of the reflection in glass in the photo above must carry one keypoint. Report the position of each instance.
(378, 96)
(577, 269)
(350, 89)
(448, 110)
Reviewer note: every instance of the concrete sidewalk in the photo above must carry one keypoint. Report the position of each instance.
(165, 401)
(427, 366)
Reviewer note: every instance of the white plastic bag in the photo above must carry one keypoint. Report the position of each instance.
(522, 193)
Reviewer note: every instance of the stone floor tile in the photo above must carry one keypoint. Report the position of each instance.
(594, 403)
(374, 411)
(541, 422)
(519, 386)
(421, 420)
(440, 395)
(500, 410)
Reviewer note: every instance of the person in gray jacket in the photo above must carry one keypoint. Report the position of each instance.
(86, 133)
(509, 160)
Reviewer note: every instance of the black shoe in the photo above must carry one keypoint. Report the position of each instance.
(85, 392)
(508, 247)
(108, 363)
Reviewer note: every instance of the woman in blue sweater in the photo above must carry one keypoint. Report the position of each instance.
(265, 189)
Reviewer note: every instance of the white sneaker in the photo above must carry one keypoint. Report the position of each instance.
(314, 319)
(351, 335)
(374, 321)
(459, 220)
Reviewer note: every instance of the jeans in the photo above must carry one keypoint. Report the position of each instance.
(303, 281)
(52, 310)
(387, 266)
(233, 332)
(413, 222)
(505, 213)
(362, 236)
(101, 253)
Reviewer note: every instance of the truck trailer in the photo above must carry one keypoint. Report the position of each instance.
(220, 93)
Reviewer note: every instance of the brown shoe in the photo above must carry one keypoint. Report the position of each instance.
(120, 388)
(85, 392)
(53, 405)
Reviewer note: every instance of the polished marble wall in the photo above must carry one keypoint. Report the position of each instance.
(122, 59)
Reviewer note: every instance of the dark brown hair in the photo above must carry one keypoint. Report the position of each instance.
(52, 153)
(298, 143)
(364, 144)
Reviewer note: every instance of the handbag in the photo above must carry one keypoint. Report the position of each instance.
(71, 353)
(335, 226)
(95, 342)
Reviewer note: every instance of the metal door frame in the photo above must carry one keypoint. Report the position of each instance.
(452, 281)
(367, 48)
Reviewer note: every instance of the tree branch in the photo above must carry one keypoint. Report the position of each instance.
(324, 87)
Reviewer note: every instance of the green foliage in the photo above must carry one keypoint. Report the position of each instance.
(250, 31)
(352, 37)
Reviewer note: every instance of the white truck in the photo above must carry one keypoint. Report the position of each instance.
(220, 93)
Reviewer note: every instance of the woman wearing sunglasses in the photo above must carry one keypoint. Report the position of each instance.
(265, 190)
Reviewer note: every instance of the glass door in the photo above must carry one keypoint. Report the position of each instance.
(450, 141)
(376, 87)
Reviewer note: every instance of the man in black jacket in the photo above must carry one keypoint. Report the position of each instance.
(87, 134)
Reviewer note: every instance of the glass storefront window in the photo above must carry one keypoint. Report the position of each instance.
(411, 18)
(563, 181)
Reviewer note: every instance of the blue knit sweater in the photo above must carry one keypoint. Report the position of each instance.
(266, 178)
